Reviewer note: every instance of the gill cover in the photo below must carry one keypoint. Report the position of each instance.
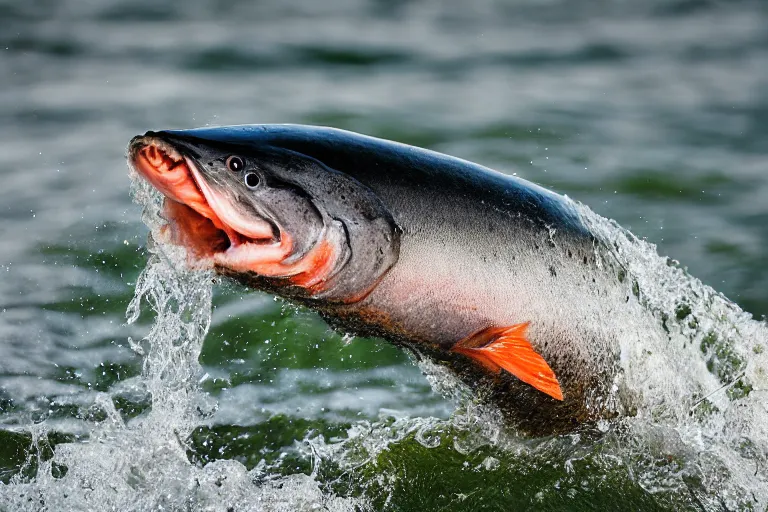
(297, 227)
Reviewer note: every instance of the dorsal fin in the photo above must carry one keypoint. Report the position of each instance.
(508, 348)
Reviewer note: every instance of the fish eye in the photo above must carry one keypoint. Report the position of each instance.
(252, 180)
(235, 163)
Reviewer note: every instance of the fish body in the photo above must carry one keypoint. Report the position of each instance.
(493, 276)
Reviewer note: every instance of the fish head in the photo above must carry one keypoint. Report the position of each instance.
(268, 216)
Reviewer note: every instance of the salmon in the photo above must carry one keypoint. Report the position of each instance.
(490, 275)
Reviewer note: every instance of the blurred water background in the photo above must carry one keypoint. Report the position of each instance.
(654, 113)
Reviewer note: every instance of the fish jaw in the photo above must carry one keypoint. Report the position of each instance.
(198, 217)
(215, 234)
(168, 171)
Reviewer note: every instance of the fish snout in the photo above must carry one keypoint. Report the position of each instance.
(154, 153)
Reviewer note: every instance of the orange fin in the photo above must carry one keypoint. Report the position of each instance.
(508, 348)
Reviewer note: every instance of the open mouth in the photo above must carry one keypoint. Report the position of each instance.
(196, 233)
(200, 218)
(204, 217)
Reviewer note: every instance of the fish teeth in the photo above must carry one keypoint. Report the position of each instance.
(167, 149)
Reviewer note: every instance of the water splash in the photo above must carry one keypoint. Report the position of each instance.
(144, 464)
(714, 419)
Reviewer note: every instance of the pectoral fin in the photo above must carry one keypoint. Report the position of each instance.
(507, 348)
